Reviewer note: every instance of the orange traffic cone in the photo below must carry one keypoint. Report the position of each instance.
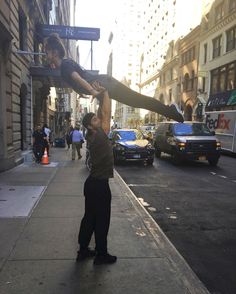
(45, 157)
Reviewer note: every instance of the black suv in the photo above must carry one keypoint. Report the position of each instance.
(188, 140)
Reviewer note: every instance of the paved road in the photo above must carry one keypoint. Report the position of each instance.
(195, 205)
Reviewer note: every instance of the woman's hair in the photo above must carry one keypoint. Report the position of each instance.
(53, 42)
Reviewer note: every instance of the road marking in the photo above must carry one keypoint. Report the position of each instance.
(147, 185)
(143, 202)
(224, 177)
(152, 209)
(213, 173)
(172, 217)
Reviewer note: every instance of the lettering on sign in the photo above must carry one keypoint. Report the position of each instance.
(222, 122)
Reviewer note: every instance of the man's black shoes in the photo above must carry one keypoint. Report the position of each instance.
(104, 259)
(84, 254)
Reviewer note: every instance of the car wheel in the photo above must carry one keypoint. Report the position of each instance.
(176, 159)
(157, 152)
(213, 161)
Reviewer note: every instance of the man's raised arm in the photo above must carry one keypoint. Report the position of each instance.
(104, 110)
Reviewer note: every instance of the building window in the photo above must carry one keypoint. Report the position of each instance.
(188, 56)
(223, 78)
(219, 12)
(231, 77)
(186, 82)
(22, 30)
(231, 39)
(205, 53)
(214, 81)
(232, 5)
(203, 84)
(192, 80)
(171, 74)
(216, 47)
(170, 95)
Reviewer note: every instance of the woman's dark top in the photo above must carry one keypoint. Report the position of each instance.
(68, 66)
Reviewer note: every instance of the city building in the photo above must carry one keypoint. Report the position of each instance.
(155, 27)
(188, 73)
(18, 21)
(125, 44)
(25, 98)
(217, 65)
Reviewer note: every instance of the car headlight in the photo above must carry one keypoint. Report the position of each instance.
(218, 145)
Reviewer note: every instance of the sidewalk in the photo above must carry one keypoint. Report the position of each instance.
(40, 212)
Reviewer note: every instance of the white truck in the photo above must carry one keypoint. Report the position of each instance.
(224, 125)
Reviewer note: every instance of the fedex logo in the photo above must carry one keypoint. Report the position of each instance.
(219, 123)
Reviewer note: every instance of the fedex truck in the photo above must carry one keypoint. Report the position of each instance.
(224, 125)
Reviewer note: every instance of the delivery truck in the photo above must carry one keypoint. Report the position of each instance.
(223, 123)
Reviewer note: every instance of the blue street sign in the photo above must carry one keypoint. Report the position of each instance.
(67, 32)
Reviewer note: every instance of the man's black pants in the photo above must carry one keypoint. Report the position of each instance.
(97, 214)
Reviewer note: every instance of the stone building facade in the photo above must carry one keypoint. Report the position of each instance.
(217, 58)
(21, 106)
(188, 72)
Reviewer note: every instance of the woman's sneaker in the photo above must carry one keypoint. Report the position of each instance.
(175, 113)
(104, 259)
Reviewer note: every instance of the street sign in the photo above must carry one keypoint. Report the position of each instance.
(68, 32)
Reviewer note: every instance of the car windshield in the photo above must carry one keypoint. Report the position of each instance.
(198, 129)
(130, 135)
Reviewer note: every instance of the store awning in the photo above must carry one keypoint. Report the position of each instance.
(48, 76)
(51, 77)
(217, 101)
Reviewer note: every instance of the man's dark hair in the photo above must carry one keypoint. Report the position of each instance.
(53, 42)
(87, 119)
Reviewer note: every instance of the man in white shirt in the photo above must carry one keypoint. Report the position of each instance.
(77, 141)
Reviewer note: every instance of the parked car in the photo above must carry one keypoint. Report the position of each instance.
(59, 142)
(130, 145)
(188, 140)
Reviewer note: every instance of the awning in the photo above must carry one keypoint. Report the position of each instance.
(51, 77)
(48, 76)
(217, 101)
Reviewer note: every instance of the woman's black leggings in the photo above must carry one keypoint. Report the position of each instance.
(125, 95)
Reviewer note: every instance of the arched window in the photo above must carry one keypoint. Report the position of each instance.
(161, 98)
(186, 82)
(188, 113)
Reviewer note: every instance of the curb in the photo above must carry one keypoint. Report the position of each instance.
(179, 264)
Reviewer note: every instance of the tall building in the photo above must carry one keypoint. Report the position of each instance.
(126, 53)
(150, 31)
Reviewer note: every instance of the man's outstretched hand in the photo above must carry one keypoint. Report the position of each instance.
(98, 90)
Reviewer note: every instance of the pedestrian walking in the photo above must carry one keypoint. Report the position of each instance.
(39, 138)
(96, 188)
(68, 137)
(81, 81)
(47, 131)
(77, 141)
